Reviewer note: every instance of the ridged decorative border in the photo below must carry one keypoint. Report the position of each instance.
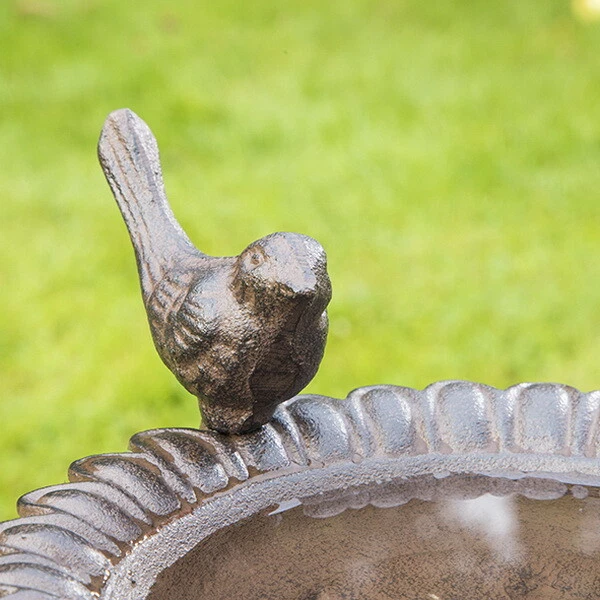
(72, 538)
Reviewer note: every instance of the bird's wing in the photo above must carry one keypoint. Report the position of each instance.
(129, 157)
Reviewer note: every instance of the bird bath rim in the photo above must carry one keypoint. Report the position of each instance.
(138, 512)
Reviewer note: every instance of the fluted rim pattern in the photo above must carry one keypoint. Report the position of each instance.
(74, 540)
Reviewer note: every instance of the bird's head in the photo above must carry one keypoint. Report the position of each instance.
(287, 267)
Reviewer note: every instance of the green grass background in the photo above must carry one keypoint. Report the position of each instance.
(446, 154)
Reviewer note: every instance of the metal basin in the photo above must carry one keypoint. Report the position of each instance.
(457, 491)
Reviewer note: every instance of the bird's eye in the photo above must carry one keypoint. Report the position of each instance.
(254, 258)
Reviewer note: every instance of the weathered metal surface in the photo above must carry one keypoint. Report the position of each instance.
(241, 333)
(126, 518)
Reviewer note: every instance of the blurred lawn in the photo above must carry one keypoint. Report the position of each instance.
(445, 154)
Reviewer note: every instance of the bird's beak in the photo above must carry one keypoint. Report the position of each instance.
(305, 286)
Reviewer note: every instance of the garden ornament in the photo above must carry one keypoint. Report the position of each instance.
(459, 490)
(241, 333)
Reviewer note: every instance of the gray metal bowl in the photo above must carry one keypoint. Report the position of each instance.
(191, 514)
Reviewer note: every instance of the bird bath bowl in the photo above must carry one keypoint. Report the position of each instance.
(458, 491)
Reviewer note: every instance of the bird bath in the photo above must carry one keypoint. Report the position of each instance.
(456, 491)
(459, 491)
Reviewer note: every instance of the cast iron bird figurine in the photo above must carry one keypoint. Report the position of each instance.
(241, 333)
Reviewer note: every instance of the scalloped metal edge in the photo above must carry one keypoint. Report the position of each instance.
(71, 538)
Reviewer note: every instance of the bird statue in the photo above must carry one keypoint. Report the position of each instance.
(242, 333)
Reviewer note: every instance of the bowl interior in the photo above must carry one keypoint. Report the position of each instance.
(424, 539)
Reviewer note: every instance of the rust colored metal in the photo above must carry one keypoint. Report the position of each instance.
(457, 491)
(241, 333)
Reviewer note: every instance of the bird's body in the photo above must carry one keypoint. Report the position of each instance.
(241, 333)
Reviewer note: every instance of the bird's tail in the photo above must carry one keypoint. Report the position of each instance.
(128, 153)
